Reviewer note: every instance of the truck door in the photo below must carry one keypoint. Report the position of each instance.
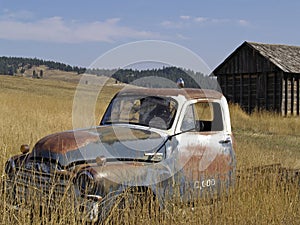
(201, 151)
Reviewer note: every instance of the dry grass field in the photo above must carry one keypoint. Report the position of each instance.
(33, 108)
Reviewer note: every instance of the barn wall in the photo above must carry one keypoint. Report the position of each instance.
(269, 89)
(290, 95)
(250, 91)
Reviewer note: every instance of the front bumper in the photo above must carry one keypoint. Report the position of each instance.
(58, 197)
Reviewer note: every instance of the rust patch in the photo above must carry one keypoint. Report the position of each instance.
(189, 93)
(193, 160)
(66, 141)
(220, 165)
(190, 159)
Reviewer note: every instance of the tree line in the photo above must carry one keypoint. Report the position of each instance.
(159, 77)
(156, 77)
(13, 65)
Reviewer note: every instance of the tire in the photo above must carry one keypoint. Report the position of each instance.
(134, 206)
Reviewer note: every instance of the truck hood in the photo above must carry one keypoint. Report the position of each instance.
(111, 142)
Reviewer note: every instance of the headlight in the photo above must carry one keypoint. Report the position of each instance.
(86, 183)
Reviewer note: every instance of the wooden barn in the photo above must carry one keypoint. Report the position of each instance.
(262, 76)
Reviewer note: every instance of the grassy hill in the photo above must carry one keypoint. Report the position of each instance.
(19, 65)
(33, 108)
(161, 77)
(53, 74)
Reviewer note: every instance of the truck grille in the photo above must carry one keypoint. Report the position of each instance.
(31, 185)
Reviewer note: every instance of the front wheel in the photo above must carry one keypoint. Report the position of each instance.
(135, 206)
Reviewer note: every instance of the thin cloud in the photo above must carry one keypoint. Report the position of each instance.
(200, 19)
(56, 29)
(243, 22)
(172, 24)
(185, 17)
(188, 21)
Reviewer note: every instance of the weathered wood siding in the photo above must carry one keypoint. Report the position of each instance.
(250, 80)
(261, 91)
(290, 95)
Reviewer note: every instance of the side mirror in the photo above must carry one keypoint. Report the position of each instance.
(24, 149)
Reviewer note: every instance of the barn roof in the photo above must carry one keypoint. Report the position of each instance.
(286, 57)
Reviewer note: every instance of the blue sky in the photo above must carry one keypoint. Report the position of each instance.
(77, 32)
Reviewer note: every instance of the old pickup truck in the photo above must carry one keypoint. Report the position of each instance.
(160, 140)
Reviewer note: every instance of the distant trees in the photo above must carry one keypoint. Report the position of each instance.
(34, 74)
(22, 70)
(41, 74)
(12, 70)
(10, 65)
(169, 74)
(37, 75)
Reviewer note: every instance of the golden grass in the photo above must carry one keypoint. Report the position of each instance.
(265, 138)
(31, 109)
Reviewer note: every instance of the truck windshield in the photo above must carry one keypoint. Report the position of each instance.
(152, 111)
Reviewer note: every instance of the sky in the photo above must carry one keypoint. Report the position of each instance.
(78, 32)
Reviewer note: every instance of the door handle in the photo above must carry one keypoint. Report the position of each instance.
(226, 141)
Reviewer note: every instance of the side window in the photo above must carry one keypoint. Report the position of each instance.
(188, 122)
(204, 117)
